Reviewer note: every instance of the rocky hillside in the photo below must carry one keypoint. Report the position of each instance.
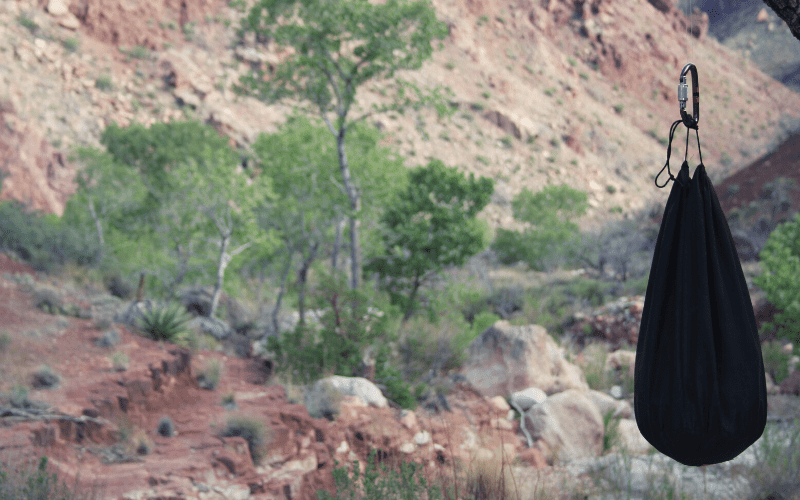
(548, 92)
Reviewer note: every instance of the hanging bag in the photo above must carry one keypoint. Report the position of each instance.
(700, 391)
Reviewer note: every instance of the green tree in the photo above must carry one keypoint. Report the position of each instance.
(165, 199)
(338, 46)
(224, 203)
(431, 225)
(310, 203)
(780, 262)
(551, 232)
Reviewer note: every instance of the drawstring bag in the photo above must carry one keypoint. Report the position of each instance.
(700, 392)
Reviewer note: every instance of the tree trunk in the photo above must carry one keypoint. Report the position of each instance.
(411, 298)
(302, 277)
(337, 244)
(222, 263)
(355, 206)
(99, 228)
(281, 292)
(789, 11)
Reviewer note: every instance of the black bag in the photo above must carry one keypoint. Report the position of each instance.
(700, 392)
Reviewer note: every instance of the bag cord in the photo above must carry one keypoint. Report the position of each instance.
(669, 152)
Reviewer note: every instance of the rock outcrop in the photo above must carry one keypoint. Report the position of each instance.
(506, 359)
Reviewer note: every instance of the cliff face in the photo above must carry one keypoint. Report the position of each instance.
(549, 91)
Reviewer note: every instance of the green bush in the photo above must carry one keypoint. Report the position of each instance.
(42, 240)
(167, 322)
(70, 44)
(209, 377)
(780, 262)
(28, 23)
(403, 484)
(103, 82)
(32, 484)
(552, 236)
(357, 319)
(253, 431)
(776, 360)
(396, 389)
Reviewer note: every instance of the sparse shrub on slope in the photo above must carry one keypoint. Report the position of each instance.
(165, 427)
(253, 431)
(403, 484)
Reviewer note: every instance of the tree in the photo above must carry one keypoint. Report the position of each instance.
(780, 261)
(337, 46)
(551, 236)
(431, 225)
(309, 202)
(163, 199)
(621, 244)
(789, 11)
(227, 200)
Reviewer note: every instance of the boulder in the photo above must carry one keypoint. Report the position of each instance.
(570, 424)
(528, 398)
(620, 359)
(505, 359)
(630, 438)
(606, 403)
(57, 8)
(212, 326)
(363, 389)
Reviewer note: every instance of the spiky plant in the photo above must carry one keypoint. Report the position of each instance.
(167, 322)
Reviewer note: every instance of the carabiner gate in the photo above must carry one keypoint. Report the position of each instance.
(683, 96)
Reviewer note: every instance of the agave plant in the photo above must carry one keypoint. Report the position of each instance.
(168, 322)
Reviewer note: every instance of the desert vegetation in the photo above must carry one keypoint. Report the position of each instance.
(322, 215)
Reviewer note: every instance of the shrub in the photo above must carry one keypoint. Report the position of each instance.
(139, 52)
(357, 319)
(109, 338)
(209, 377)
(229, 400)
(70, 44)
(42, 240)
(28, 23)
(776, 360)
(165, 427)
(323, 401)
(253, 431)
(141, 444)
(119, 361)
(19, 397)
(32, 482)
(103, 82)
(780, 262)
(167, 322)
(44, 378)
(405, 483)
(611, 430)
(48, 301)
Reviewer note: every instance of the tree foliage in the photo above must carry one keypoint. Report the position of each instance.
(162, 198)
(335, 47)
(551, 235)
(780, 263)
(429, 226)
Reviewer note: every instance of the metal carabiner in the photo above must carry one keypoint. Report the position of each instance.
(683, 96)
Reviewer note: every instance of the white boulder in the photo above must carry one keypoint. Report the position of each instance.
(570, 425)
(505, 359)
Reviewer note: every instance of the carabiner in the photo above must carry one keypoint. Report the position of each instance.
(683, 96)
